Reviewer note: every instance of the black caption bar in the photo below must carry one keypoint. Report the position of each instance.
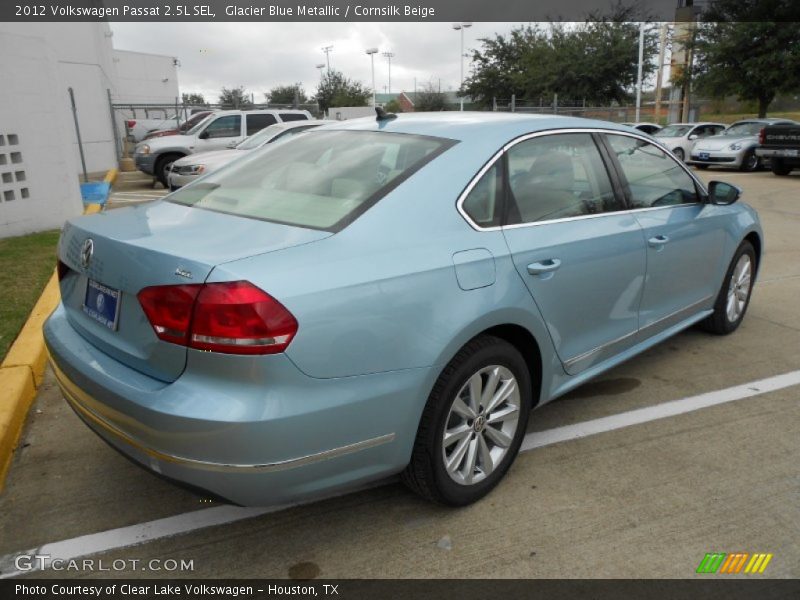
(376, 10)
(711, 588)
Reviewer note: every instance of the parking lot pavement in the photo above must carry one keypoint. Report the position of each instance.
(134, 188)
(647, 500)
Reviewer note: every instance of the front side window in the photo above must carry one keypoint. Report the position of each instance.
(227, 126)
(556, 177)
(654, 178)
(321, 180)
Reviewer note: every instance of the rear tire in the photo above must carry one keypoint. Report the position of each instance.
(779, 167)
(734, 295)
(473, 424)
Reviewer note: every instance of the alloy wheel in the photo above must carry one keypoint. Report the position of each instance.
(481, 425)
(739, 288)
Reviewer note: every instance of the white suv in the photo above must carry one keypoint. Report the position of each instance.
(216, 131)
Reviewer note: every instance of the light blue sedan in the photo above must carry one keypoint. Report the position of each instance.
(389, 295)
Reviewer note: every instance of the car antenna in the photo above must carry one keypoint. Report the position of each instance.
(383, 115)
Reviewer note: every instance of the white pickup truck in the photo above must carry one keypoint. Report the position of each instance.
(137, 128)
(217, 131)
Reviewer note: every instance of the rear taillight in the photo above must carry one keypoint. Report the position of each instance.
(232, 317)
(762, 137)
(130, 123)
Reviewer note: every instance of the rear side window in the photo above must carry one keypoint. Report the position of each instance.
(483, 203)
(257, 122)
(654, 178)
(227, 126)
(293, 117)
(321, 180)
(556, 177)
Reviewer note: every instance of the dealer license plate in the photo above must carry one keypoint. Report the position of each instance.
(102, 304)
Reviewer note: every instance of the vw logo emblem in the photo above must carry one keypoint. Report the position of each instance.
(86, 253)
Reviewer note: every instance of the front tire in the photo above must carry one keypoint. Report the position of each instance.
(473, 424)
(162, 168)
(750, 162)
(734, 296)
(679, 154)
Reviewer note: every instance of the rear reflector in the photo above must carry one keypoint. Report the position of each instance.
(762, 136)
(233, 317)
(130, 123)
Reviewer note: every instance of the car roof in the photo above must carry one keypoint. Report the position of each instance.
(491, 128)
(695, 124)
(765, 121)
(260, 110)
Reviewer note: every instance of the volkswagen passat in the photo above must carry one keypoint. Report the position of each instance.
(388, 295)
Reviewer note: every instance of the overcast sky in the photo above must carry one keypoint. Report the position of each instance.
(261, 55)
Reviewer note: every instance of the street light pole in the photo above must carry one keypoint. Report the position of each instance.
(327, 51)
(389, 56)
(461, 27)
(639, 73)
(372, 52)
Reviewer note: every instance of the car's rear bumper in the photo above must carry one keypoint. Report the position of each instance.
(258, 433)
(791, 153)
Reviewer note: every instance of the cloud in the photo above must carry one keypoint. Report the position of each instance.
(262, 55)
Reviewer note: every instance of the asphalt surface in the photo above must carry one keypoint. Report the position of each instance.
(645, 501)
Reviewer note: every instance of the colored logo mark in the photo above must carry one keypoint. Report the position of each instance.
(737, 562)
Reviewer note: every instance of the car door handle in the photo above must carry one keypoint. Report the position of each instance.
(657, 241)
(544, 266)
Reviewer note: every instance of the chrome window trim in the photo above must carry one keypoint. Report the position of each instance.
(529, 136)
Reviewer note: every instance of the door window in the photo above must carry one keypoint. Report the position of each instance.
(293, 117)
(654, 178)
(558, 176)
(227, 126)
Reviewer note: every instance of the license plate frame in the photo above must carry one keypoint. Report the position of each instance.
(703, 155)
(102, 304)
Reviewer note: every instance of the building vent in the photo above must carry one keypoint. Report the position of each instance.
(12, 177)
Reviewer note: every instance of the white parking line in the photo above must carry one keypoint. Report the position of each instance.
(133, 535)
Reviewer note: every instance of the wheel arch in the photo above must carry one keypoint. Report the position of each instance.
(755, 240)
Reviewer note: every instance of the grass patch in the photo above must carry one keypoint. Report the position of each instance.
(26, 263)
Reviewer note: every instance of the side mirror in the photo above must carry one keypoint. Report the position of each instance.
(694, 136)
(204, 135)
(723, 193)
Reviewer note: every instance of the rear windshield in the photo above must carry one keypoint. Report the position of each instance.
(320, 180)
(673, 131)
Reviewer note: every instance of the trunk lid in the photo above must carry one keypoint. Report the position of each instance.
(155, 244)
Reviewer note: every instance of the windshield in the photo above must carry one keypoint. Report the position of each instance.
(673, 131)
(196, 129)
(743, 129)
(260, 138)
(320, 180)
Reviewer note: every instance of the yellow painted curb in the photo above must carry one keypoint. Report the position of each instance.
(18, 391)
(111, 176)
(22, 370)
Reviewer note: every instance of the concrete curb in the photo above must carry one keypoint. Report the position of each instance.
(22, 371)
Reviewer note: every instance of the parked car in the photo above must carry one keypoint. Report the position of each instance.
(735, 147)
(680, 137)
(215, 132)
(780, 145)
(387, 296)
(137, 127)
(182, 128)
(189, 168)
(648, 128)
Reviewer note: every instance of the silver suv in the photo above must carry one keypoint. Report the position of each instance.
(215, 132)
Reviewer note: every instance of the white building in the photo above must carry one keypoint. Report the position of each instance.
(39, 157)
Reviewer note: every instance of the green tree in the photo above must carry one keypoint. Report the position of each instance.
(596, 61)
(393, 106)
(747, 49)
(287, 94)
(236, 98)
(194, 99)
(429, 99)
(337, 90)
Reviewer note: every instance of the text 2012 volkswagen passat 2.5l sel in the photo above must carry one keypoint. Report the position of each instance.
(389, 295)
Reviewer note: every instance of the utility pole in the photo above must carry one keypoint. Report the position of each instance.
(372, 52)
(461, 27)
(327, 50)
(389, 56)
(662, 43)
(639, 72)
